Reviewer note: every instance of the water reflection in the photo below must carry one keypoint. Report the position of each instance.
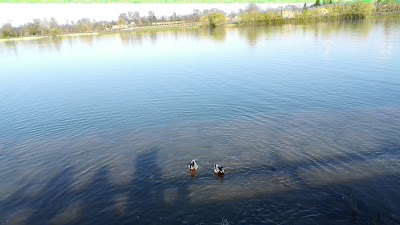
(140, 37)
(218, 34)
(114, 148)
(252, 34)
(56, 42)
(88, 40)
(48, 44)
(9, 46)
(153, 37)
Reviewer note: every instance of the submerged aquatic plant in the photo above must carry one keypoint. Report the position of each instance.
(354, 208)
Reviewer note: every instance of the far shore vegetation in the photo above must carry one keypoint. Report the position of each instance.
(252, 15)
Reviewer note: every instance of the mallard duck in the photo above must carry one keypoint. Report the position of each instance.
(218, 170)
(193, 165)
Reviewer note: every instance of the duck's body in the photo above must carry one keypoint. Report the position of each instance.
(218, 170)
(193, 165)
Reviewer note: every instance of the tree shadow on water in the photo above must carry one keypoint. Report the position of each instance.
(146, 200)
(40, 206)
(152, 198)
(149, 192)
(144, 194)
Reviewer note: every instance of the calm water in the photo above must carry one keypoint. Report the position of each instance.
(305, 120)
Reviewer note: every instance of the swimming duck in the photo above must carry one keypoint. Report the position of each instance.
(193, 165)
(218, 170)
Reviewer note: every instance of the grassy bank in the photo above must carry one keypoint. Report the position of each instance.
(46, 36)
(77, 34)
(22, 38)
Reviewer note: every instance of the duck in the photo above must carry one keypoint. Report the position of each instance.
(219, 170)
(193, 166)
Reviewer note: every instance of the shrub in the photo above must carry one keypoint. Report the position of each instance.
(7, 31)
(253, 17)
(213, 20)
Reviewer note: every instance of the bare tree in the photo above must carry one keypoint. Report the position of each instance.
(173, 17)
(252, 7)
(232, 15)
(136, 18)
(151, 16)
(130, 17)
(206, 12)
(197, 14)
(123, 16)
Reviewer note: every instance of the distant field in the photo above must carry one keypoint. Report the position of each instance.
(168, 1)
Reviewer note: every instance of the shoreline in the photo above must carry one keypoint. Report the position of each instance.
(28, 38)
(162, 28)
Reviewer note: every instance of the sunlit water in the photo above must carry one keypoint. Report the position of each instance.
(305, 120)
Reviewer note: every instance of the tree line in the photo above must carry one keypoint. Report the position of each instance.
(319, 12)
(51, 27)
(252, 14)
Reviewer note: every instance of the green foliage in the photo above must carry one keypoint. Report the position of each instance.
(54, 29)
(309, 16)
(358, 10)
(213, 20)
(388, 6)
(84, 25)
(253, 17)
(7, 31)
(122, 21)
(336, 11)
(34, 28)
(276, 18)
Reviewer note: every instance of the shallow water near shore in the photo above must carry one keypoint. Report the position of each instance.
(305, 119)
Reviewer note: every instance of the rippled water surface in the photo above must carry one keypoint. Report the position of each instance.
(305, 120)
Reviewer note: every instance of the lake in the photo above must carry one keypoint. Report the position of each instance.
(100, 129)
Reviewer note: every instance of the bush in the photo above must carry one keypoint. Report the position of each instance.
(7, 31)
(388, 6)
(253, 17)
(358, 10)
(213, 20)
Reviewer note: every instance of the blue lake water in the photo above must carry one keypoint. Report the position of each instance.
(305, 119)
